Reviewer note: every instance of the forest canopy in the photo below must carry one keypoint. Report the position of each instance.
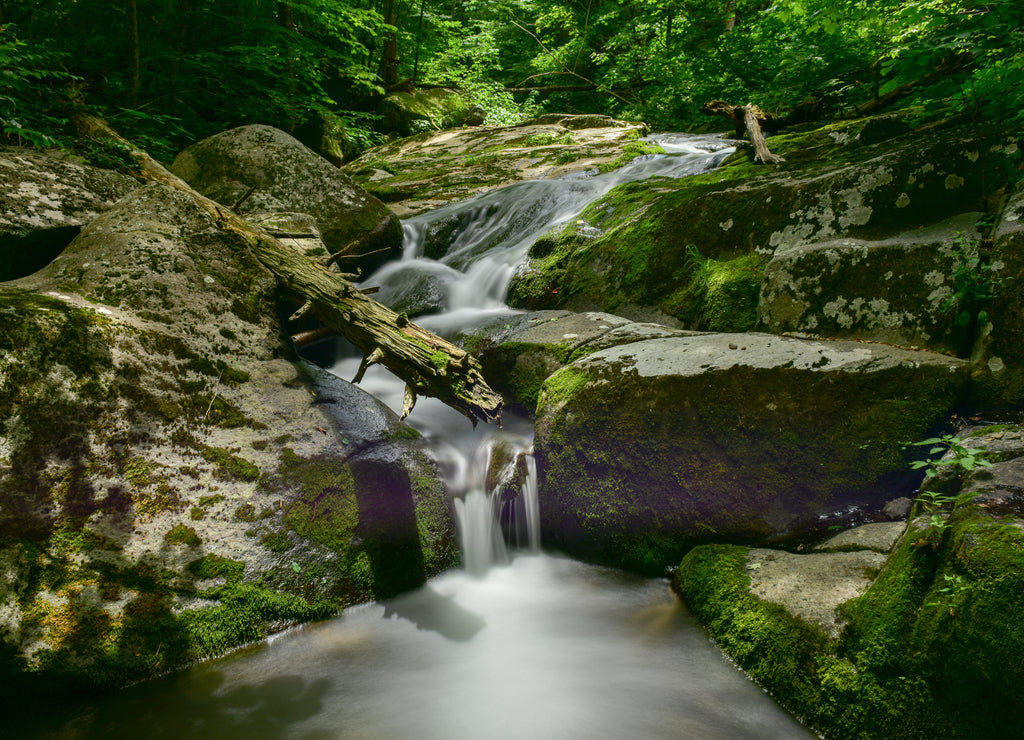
(167, 72)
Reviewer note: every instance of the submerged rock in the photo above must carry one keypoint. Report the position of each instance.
(284, 176)
(48, 198)
(171, 486)
(648, 448)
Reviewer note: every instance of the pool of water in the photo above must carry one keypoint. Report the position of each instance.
(541, 648)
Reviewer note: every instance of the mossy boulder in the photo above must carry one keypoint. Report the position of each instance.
(48, 198)
(933, 648)
(647, 448)
(897, 290)
(646, 244)
(283, 175)
(173, 482)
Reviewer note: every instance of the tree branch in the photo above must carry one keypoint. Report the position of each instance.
(430, 365)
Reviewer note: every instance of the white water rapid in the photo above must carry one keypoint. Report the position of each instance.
(517, 646)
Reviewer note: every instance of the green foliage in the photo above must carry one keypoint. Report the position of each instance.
(973, 283)
(954, 454)
(30, 73)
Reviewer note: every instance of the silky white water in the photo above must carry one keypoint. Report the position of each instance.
(517, 645)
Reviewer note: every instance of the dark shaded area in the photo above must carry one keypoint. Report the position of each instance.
(431, 611)
(23, 254)
(181, 706)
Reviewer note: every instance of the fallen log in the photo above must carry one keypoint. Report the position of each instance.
(747, 119)
(429, 365)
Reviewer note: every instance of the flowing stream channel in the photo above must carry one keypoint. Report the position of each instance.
(517, 644)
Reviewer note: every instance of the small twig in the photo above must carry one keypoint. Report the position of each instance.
(244, 198)
(216, 388)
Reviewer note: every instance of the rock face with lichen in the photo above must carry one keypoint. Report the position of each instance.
(263, 170)
(47, 198)
(648, 448)
(695, 248)
(931, 646)
(898, 290)
(173, 483)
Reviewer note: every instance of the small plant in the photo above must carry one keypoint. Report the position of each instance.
(955, 585)
(973, 284)
(964, 458)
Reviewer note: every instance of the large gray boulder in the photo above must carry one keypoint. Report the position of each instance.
(648, 448)
(47, 198)
(895, 290)
(284, 175)
(185, 485)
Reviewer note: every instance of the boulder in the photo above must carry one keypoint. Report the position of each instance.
(171, 485)
(518, 360)
(283, 175)
(895, 290)
(929, 645)
(665, 244)
(48, 198)
(647, 448)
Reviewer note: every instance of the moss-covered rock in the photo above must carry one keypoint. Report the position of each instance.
(150, 422)
(934, 647)
(283, 175)
(48, 198)
(647, 448)
(646, 243)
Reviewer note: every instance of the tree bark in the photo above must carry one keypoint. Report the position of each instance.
(428, 364)
(746, 119)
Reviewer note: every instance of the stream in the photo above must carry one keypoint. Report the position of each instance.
(518, 643)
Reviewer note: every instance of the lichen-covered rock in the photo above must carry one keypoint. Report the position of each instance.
(895, 290)
(48, 197)
(647, 448)
(934, 648)
(286, 176)
(646, 244)
(171, 486)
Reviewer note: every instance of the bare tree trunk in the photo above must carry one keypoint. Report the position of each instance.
(389, 58)
(429, 365)
(133, 42)
(761, 153)
(746, 119)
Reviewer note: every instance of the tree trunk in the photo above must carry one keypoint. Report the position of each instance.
(429, 365)
(746, 119)
(389, 58)
(133, 48)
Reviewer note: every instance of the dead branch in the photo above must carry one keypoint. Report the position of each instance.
(429, 365)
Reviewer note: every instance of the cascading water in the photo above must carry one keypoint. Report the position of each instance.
(480, 242)
(541, 647)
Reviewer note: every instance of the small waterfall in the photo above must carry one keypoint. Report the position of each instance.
(475, 247)
(500, 509)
